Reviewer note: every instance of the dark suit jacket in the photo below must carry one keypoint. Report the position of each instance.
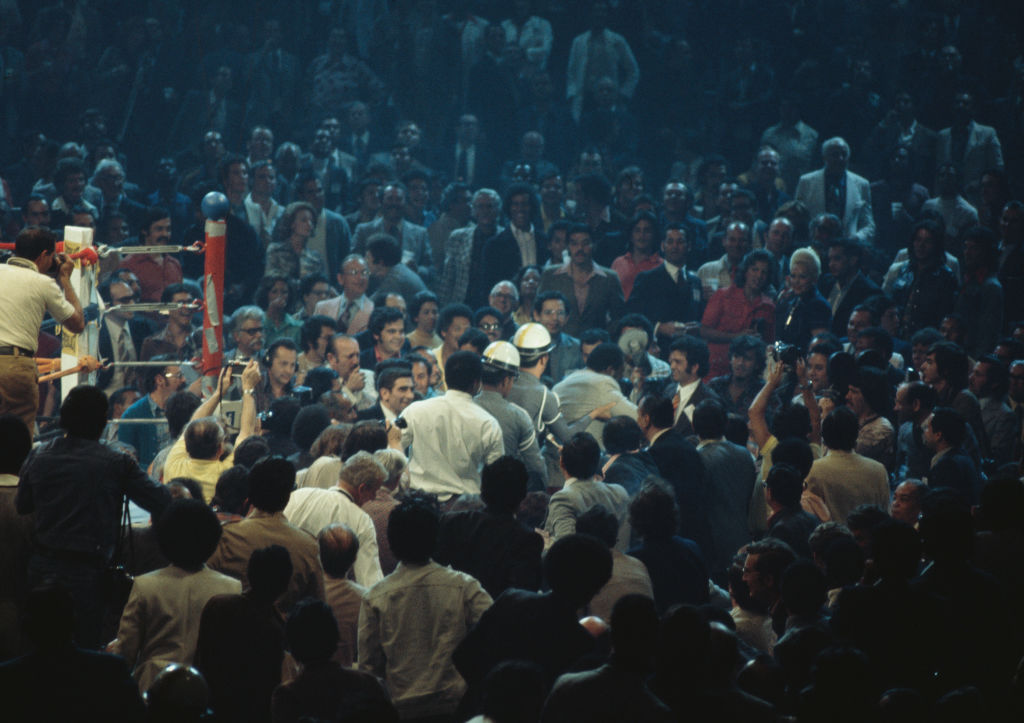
(956, 471)
(861, 288)
(604, 299)
(701, 393)
(139, 328)
(374, 412)
(495, 549)
(502, 258)
(680, 465)
(659, 298)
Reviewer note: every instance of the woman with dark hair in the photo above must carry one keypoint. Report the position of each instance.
(643, 235)
(868, 396)
(288, 253)
(923, 285)
(527, 281)
(842, 369)
(275, 295)
(742, 309)
(423, 312)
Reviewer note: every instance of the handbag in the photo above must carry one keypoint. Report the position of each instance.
(117, 580)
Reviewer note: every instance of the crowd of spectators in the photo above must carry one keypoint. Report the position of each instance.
(586, 361)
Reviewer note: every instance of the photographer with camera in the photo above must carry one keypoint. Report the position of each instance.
(27, 280)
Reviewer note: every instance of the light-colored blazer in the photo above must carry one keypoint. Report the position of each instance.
(858, 219)
(585, 390)
(982, 152)
(332, 308)
(415, 243)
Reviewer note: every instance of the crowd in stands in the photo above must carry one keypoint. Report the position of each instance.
(584, 361)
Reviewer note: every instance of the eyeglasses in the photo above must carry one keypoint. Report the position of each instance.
(123, 299)
(174, 375)
(553, 312)
(253, 331)
(357, 272)
(490, 327)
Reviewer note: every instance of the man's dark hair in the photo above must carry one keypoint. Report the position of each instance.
(339, 547)
(581, 456)
(622, 434)
(576, 567)
(462, 371)
(951, 362)
(659, 409)
(786, 484)
(189, 485)
(389, 372)
(792, 420)
(773, 557)
(223, 168)
(839, 429)
(874, 386)
(312, 632)
(998, 376)
(66, 167)
(503, 484)
(920, 392)
(281, 416)
(32, 242)
(926, 337)
(418, 300)
(309, 423)
(877, 338)
(269, 572)
(307, 282)
(865, 518)
(635, 628)
(366, 436)
(251, 450)
(84, 412)
(604, 356)
(188, 532)
(167, 295)
(709, 419)
(381, 317)
(15, 443)
(151, 216)
(311, 328)
(950, 424)
(271, 481)
(320, 380)
(385, 249)
(151, 374)
(413, 527)
(796, 453)
(476, 339)
(653, 512)
(592, 336)
(696, 351)
(549, 295)
(599, 522)
(451, 312)
(232, 490)
(746, 344)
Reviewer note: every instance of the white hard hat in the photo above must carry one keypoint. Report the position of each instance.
(532, 340)
(502, 355)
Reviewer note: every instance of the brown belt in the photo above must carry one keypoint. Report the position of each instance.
(15, 351)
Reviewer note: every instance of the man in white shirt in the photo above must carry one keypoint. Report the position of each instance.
(451, 437)
(312, 509)
(356, 384)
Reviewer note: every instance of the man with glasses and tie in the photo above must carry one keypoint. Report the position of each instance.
(121, 335)
(160, 382)
(351, 308)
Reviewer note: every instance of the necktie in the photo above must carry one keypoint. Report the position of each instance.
(675, 404)
(124, 350)
(461, 166)
(346, 316)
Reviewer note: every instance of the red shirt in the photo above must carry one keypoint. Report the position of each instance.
(155, 272)
(730, 311)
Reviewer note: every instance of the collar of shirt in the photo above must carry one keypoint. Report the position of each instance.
(657, 435)
(23, 263)
(940, 455)
(686, 391)
(674, 271)
(8, 480)
(595, 270)
(705, 442)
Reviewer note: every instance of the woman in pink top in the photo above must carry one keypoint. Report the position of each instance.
(643, 253)
(740, 309)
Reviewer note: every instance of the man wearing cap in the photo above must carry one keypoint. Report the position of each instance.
(501, 367)
(29, 291)
(451, 437)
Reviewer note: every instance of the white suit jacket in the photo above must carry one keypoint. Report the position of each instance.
(858, 220)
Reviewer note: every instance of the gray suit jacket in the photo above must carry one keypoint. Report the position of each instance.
(982, 151)
(858, 220)
(577, 497)
(585, 390)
